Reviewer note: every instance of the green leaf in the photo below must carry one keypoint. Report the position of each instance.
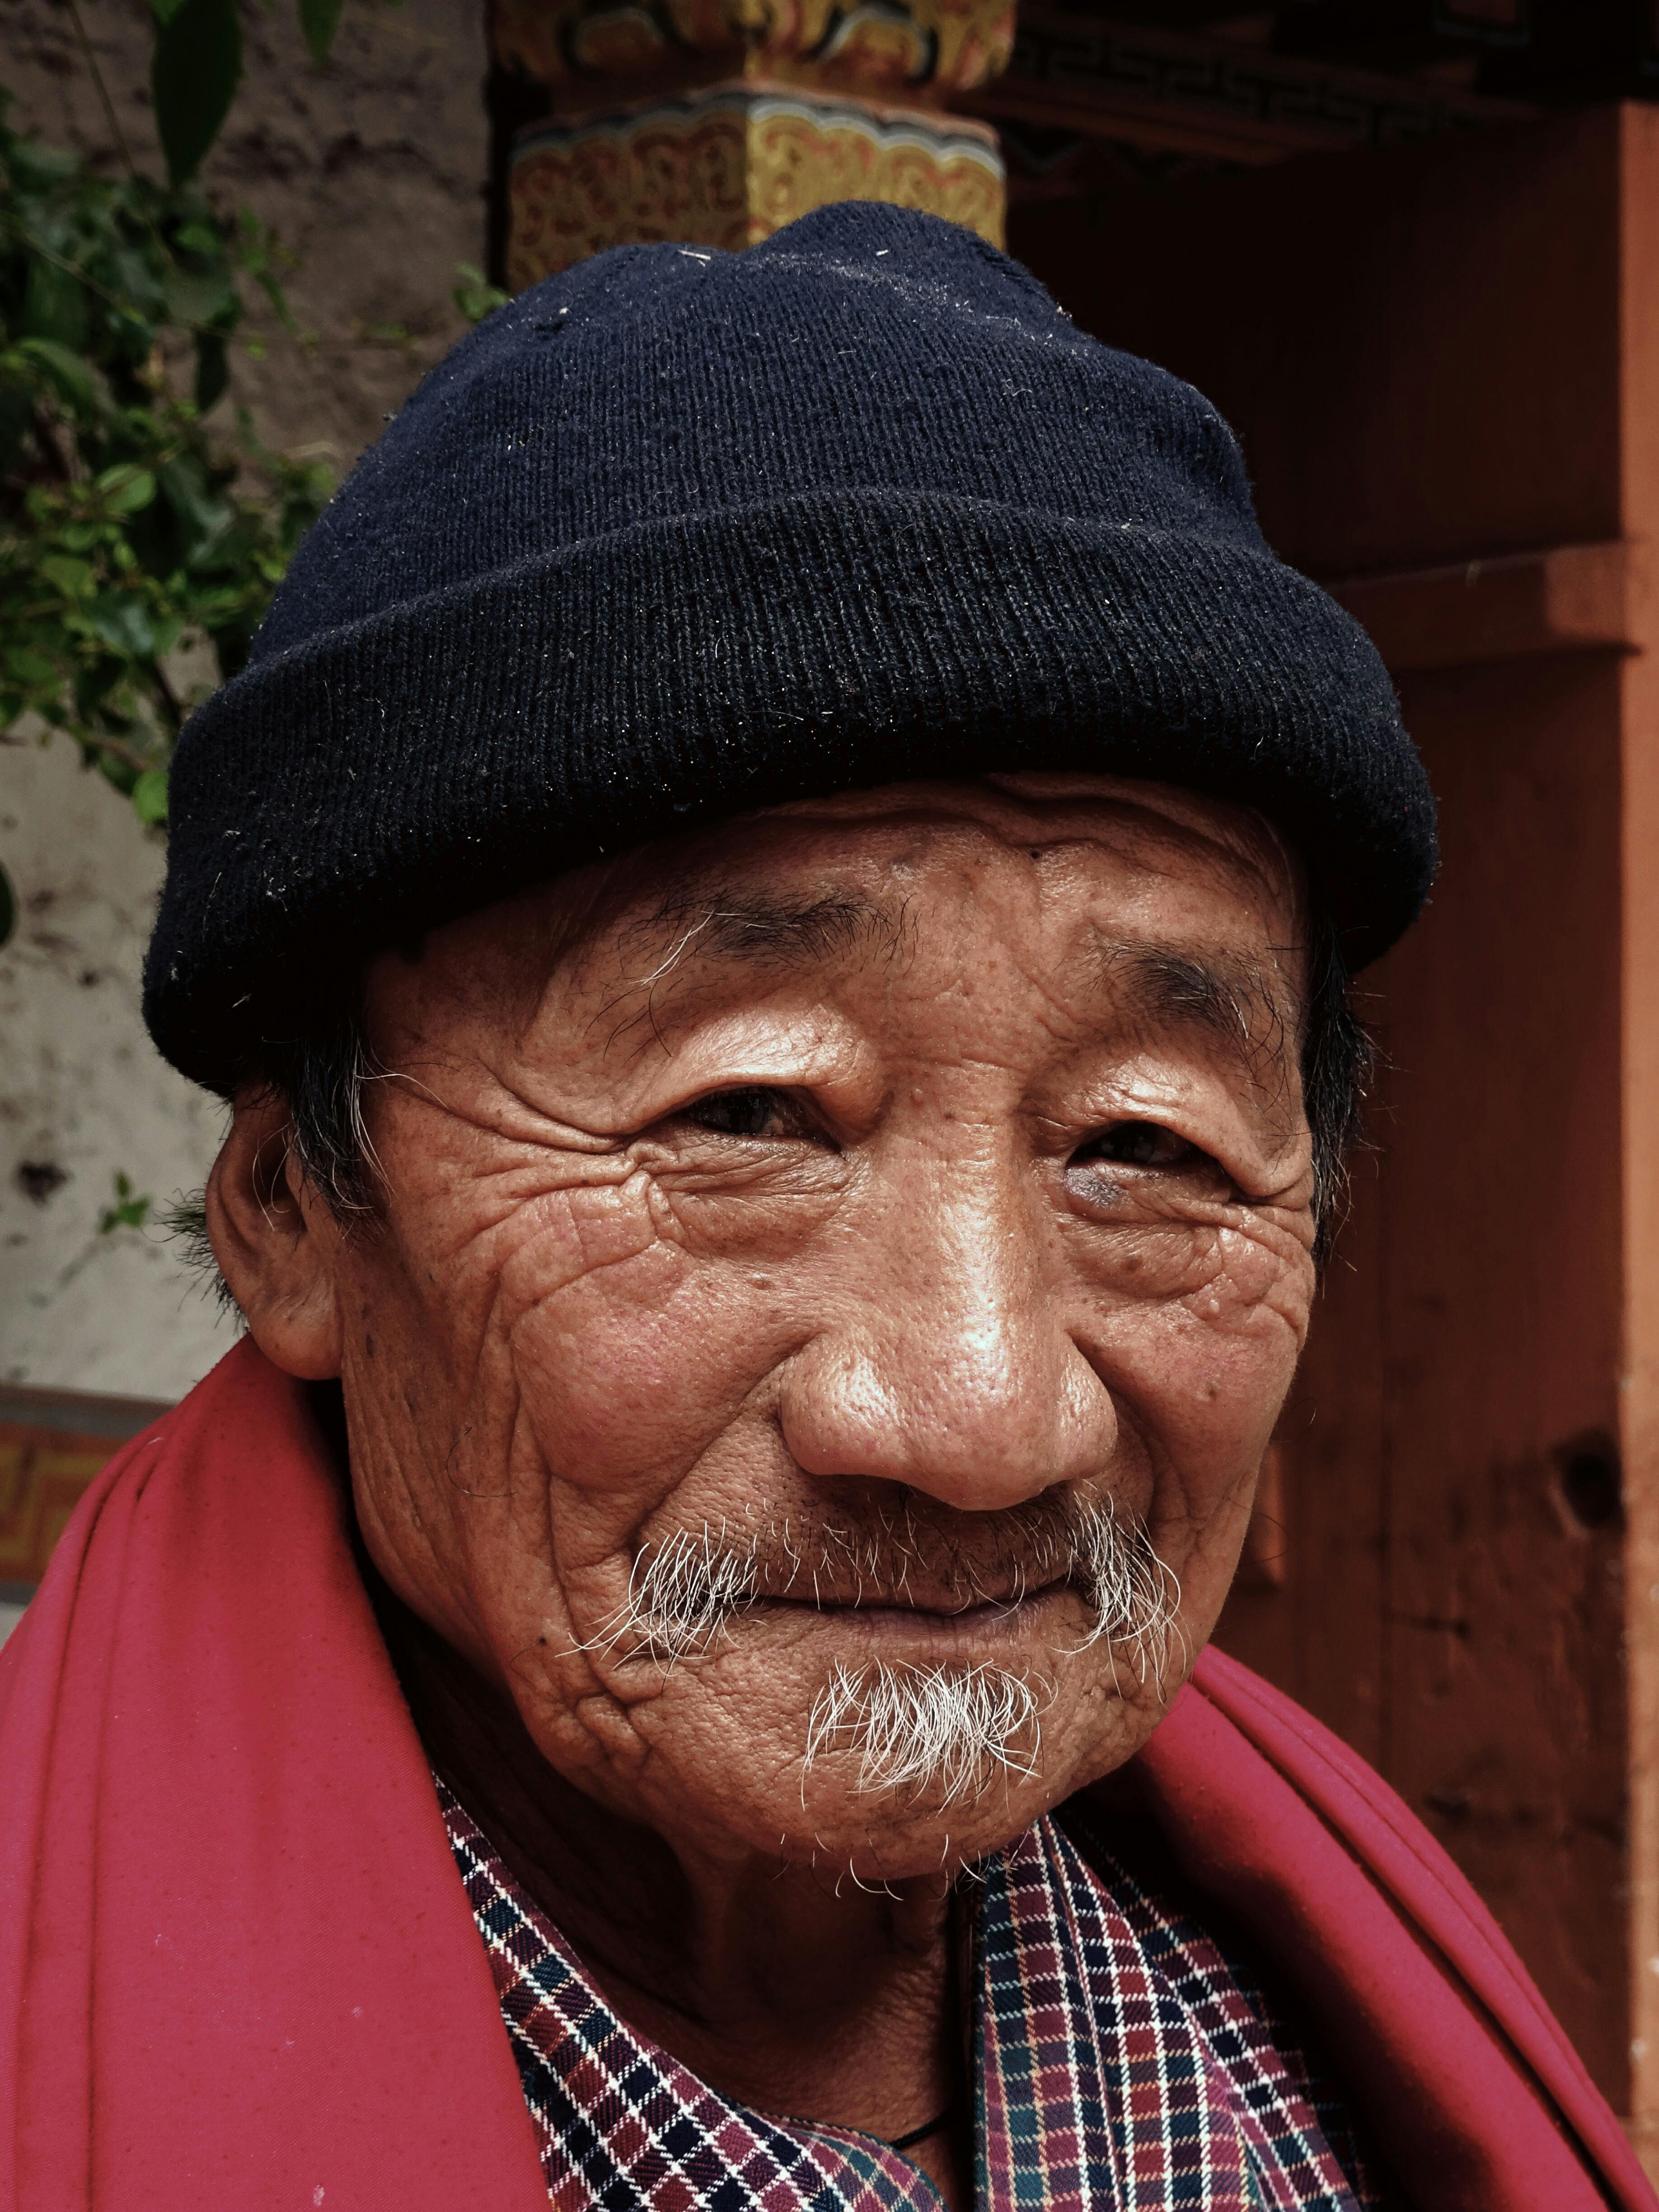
(202, 512)
(124, 623)
(129, 1210)
(197, 66)
(40, 167)
(127, 490)
(150, 795)
(319, 20)
(25, 666)
(137, 274)
(74, 579)
(67, 373)
(474, 295)
(202, 295)
(112, 770)
(199, 238)
(54, 305)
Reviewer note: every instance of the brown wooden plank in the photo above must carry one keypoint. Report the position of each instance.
(1420, 349)
(1567, 598)
(1639, 1392)
(1505, 1720)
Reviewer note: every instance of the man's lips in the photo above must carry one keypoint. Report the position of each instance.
(887, 1616)
(915, 1594)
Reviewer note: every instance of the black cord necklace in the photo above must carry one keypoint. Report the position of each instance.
(941, 2120)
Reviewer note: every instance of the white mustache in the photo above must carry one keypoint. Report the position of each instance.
(686, 1590)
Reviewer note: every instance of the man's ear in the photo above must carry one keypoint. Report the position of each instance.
(275, 1241)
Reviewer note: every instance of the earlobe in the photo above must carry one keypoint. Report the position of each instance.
(276, 1244)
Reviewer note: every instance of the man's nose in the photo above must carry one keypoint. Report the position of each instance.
(945, 1360)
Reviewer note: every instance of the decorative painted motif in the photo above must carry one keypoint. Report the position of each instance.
(731, 166)
(921, 50)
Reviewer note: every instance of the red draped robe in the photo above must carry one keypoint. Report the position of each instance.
(238, 1969)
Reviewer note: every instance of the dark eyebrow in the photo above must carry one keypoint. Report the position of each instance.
(1225, 995)
(734, 926)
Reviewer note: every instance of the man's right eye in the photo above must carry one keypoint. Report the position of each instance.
(1141, 1144)
(752, 1111)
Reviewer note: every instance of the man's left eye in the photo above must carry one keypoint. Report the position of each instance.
(752, 1111)
(1139, 1145)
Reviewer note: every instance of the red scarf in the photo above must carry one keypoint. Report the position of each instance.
(237, 1970)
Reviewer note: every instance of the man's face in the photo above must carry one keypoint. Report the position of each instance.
(832, 1292)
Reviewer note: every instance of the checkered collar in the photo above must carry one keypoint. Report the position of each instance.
(1121, 2064)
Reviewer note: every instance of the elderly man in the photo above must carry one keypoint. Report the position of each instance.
(773, 906)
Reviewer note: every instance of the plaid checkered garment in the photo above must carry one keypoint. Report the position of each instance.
(1121, 2062)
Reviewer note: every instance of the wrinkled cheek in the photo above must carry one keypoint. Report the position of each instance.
(1202, 1377)
(628, 1360)
(1255, 1291)
(1235, 1282)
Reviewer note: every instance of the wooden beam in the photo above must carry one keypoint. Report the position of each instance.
(1568, 599)
(1217, 99)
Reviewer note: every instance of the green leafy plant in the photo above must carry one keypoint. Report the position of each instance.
(474, 295)
(128, 533)
(138, 547)
(139, 544)
(130, 1211)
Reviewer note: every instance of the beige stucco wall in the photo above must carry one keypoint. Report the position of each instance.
(83, 1094)
(372, 169)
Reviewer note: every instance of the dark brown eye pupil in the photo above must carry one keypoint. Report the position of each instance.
(1137, 1144)
(1137, 1141)
(746, 1112)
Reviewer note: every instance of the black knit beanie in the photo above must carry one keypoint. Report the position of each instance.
(683, 533)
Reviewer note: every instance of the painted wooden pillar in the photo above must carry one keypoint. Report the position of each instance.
(1444, 365)
(716, 122)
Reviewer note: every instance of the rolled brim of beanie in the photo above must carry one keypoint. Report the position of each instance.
(385, 777)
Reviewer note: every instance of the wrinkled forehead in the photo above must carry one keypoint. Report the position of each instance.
(876, 862)
(1054, 867)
